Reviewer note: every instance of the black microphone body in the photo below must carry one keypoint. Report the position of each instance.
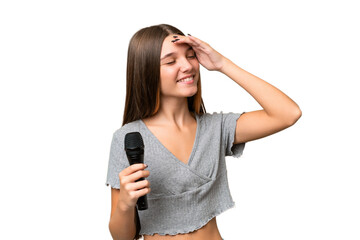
(134, 147)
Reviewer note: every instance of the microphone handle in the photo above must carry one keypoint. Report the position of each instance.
(142, 201)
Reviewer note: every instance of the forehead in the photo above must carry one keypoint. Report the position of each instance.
(169, 47)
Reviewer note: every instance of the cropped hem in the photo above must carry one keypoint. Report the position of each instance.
(189, 230)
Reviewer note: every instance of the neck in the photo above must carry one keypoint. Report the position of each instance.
(173, 111)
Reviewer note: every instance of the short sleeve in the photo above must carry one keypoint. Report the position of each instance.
(117, 161)
(228, 131)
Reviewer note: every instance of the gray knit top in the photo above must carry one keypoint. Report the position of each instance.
(183, 197)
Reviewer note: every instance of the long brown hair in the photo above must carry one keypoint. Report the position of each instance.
(143, 74)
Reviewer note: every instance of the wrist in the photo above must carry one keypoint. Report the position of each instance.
(226, 65)
(123, 207)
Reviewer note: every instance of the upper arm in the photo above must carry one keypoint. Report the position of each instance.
(258, 124)
(114, 199)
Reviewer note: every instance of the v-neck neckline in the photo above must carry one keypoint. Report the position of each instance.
(168, 151)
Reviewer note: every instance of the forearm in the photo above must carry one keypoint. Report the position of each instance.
(122, 224)
(274, 102)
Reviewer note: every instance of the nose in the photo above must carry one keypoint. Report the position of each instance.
(186, 65)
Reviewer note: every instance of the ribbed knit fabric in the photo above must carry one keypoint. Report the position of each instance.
(183, 197)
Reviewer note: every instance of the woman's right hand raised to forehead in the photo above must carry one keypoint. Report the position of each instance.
(130, 188)
(206, 55)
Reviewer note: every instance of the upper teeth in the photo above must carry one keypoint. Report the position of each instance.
(186, 79)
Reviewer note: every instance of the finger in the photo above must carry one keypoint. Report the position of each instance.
(137, 185)
(184, 39)
(137, 175)
(142, 192)
(132, 168)
(194, 42)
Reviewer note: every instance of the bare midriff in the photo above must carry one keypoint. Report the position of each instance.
(209, 232)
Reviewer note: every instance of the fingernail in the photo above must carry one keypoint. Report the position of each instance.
(145, 165)
(175, 40)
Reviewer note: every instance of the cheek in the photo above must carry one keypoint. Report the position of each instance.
(167, 73)
(166, 79)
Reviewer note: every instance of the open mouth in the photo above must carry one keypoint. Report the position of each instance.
(186, 79)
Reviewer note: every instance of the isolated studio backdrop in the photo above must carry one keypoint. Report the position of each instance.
(62, 72)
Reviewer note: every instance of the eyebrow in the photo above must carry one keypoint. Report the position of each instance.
(171, 53)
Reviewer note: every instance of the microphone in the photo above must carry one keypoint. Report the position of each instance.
(134, 147)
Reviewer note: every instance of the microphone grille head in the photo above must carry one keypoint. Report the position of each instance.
(133, 140)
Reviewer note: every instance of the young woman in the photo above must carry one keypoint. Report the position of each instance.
(185, 147)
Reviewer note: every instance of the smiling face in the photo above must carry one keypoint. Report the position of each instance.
(179, 69)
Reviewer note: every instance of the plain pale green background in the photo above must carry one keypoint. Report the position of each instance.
(62, 72)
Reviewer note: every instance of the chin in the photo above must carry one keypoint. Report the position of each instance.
(191, 93)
